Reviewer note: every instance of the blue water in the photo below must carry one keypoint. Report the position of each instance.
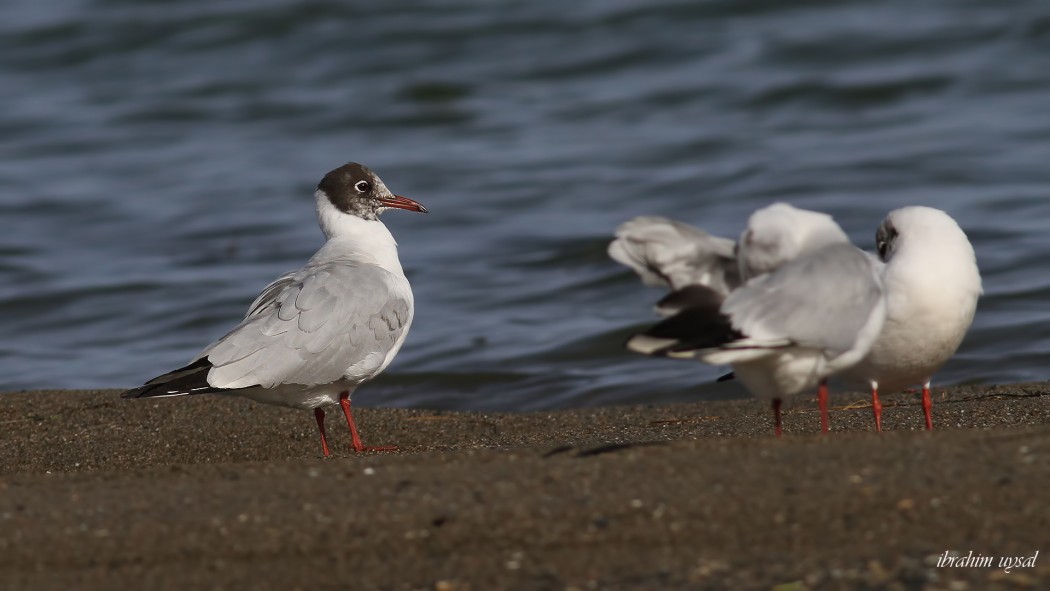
(157, 162)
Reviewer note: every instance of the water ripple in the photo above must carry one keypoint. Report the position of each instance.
(157, 163)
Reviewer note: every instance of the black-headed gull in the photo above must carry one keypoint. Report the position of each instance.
(810, 305)
(932, 285)
(314, 335)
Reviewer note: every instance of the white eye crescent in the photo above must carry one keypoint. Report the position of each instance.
(363, 186)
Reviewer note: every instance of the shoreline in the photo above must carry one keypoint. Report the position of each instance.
(215, 492)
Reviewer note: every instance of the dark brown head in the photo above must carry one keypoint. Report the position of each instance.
(354, 189)
(886, 239)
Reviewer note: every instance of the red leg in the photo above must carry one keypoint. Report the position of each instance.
(776, 417)
(876, 406)
(319, 415)
(822, 402)
(344, 401)
(927, 406)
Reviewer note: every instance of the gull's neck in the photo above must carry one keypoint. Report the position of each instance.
(356, 236)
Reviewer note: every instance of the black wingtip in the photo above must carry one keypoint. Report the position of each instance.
(725, 378)
(191, 379)
(690, 330)
(690, 297)
(135, 392)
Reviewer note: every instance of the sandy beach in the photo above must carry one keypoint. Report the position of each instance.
(209, 492)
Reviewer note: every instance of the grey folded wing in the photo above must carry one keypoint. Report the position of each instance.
(825, 300)
(270, 293)
(666, 252)
(314, 326)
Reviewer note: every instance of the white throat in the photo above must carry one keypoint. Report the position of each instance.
(356, 235)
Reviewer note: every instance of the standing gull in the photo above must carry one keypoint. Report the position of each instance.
(932, 286)
(314, 335)
(810, 305)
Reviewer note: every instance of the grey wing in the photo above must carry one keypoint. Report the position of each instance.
(315, 326)
(665, 252)
(270, 293)
(825, 300)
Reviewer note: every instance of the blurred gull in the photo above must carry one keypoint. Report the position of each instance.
(932, 285)
(314, 335)
(668, 253)
(799, 304)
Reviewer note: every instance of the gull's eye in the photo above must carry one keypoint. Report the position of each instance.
(363, 186)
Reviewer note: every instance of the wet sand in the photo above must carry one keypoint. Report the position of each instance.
(97, 492)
